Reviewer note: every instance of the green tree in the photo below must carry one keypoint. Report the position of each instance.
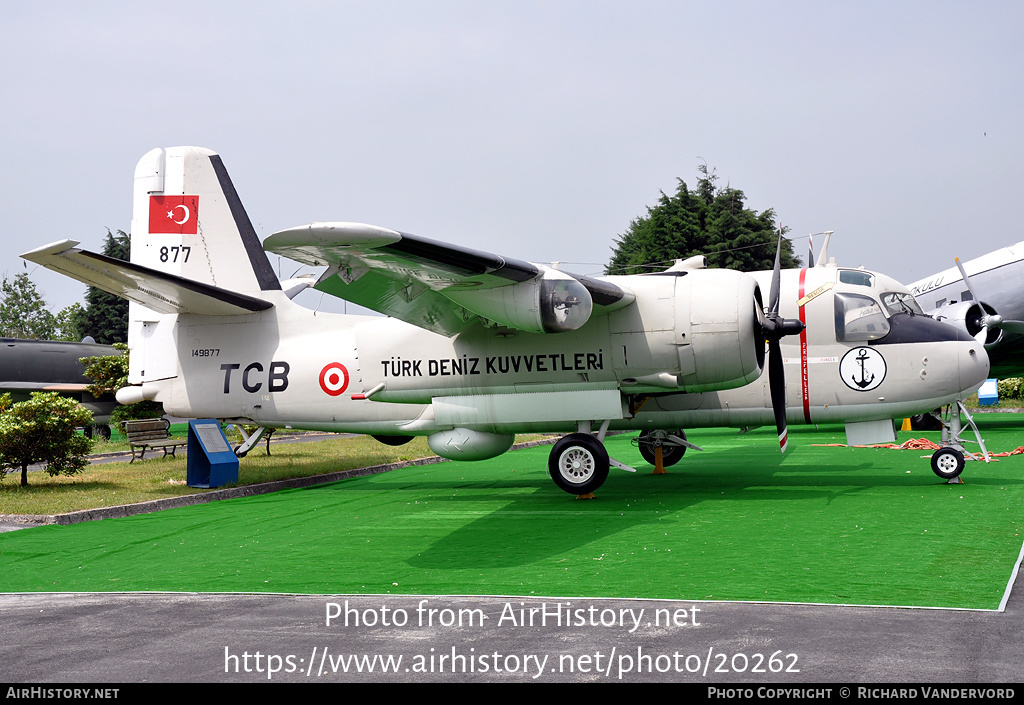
(108, 374)
(106, 315)
(709, 221)
(70, 323)
(23, 312)
(42, 430)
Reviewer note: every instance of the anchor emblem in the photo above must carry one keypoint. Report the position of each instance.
(864, 381)
(862, 369)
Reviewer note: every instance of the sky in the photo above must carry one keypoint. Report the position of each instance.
(535, 130)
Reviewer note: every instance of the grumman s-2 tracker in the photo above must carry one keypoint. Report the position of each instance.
(477, 347)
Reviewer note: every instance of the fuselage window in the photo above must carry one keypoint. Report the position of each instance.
(855, 277)
(859, 318)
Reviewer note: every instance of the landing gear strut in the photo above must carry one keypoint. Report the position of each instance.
(948, 461)
(579, 462)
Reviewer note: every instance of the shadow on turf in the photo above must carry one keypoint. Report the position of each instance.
(523, 530)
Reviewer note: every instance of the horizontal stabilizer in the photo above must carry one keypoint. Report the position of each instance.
(159, 291)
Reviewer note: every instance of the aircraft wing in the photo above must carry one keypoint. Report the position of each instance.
(440, 287)
(42, 387)
(159, 291)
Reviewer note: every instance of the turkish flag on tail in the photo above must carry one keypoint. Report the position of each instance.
(174, 214)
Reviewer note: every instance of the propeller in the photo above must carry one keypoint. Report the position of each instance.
(774, 328)
(987, 319)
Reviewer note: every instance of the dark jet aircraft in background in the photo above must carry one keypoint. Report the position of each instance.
(28, 366)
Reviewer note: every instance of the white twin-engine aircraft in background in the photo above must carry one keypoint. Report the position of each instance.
(478, 347)
(984, 297)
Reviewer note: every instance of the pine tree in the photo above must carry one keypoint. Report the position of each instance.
(709, 221)
(106, 315)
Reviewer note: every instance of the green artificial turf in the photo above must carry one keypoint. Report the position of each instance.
(736, 522)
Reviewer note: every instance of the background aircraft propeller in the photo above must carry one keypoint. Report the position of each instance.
(774, 327)
(986, 319)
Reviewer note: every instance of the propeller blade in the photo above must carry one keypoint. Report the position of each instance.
(777, 385)
(773, 297)
(967, 280)
(774, 328)
(1012, 326)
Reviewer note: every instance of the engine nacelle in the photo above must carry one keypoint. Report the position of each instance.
(554, 302)
(718, 312)
(970, 316)
(465, 444)
(697, 331)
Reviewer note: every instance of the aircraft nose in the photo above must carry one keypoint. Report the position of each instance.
(974, 367)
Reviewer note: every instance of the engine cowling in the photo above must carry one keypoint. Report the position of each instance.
(554, 302)
(697, 330)
(718, 315)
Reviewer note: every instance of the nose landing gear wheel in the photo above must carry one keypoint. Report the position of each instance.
(947, 463)
(578, 463)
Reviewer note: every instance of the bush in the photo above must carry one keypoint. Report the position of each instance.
(1010, 388)
(43, 430)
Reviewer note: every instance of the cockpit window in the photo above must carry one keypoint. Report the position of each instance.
(901, 302)
(855, 277)
(859, 318)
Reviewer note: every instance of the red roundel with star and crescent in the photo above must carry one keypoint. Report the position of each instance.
(334, 379)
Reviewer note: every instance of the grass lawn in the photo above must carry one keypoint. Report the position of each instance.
(156, 477)
(736, 522)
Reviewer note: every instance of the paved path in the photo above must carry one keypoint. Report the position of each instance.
(205, 638)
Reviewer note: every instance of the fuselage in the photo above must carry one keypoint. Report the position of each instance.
(865, 355)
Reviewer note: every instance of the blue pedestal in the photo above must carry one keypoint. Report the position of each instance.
(989, 393)
(211, 462)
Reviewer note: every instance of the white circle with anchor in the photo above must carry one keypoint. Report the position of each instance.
(862, 369)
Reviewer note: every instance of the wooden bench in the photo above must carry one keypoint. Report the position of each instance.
(151, 433)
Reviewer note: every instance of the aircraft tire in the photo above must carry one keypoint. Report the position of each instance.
(925, 422)
(578, 463)
(947, 463)
(392, 440)
(670, 454)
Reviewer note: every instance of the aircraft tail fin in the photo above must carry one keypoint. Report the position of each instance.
(188, 221)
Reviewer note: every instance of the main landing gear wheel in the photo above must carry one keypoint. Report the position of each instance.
(947, 463)
(392, 440)
(578, 463)
(670, 453)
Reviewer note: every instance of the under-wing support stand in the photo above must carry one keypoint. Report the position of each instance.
(663, 448)
(250, 441)
(948, 461)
